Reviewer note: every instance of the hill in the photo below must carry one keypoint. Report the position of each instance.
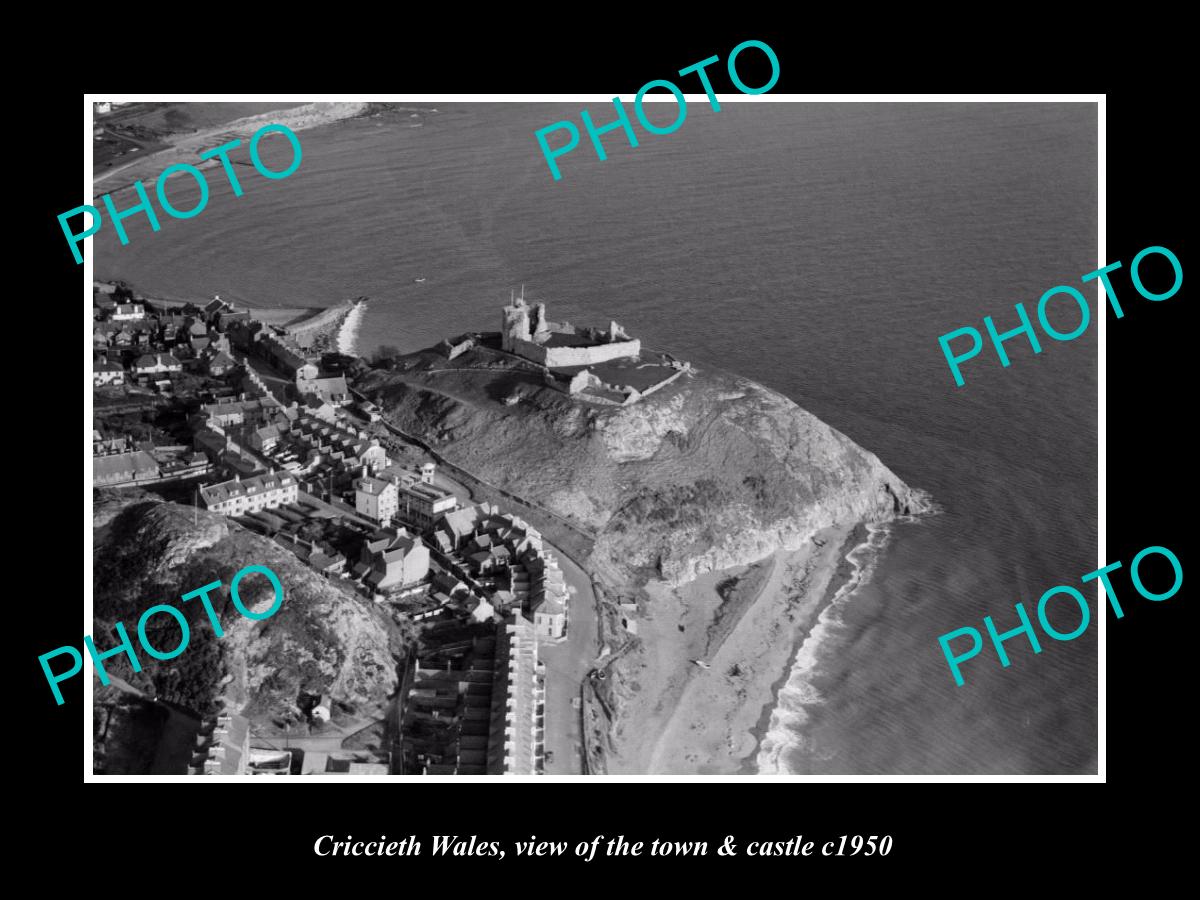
(323, 639)
(710, 472)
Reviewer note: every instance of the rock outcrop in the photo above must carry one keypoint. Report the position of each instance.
(323, 639)
(712, 471)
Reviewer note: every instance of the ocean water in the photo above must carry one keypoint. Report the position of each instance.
(820, 249)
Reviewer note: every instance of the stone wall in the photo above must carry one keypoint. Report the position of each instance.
(558, 357)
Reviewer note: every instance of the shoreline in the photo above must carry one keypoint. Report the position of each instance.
(187, 147)
(349, 327)
(678, 718)
(841, 576)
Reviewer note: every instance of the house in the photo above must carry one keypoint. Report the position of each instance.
(326, 558)
(236, 412)
(220, 363)
(103, 108)
(105, 372)
(550, 619)
(171, 326)
(211, 443)
(479, 609)
(265, 438)
(317, 408)
(287, 359)
(459, 524)
(420, 505)
(101, 336)
(225, 317)
(154, 363)
(107, 446)
(228, 746)
(447, 584)
(322, 556)
(394, 562)
(213, 306)
(375, 498)
(331, 390)
(243, 335)
(252, 494)
(547, 600)
(370, 410)
(127, 312)
(372, 455)
(118, 469)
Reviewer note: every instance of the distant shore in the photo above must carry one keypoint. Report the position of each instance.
(186, 148)
(680, 718)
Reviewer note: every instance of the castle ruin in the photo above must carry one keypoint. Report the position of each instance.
(527, 333)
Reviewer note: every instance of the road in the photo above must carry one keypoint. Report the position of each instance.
(566, 666)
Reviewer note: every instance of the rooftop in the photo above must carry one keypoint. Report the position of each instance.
(369, 485)
(256, 484)
(139, 462)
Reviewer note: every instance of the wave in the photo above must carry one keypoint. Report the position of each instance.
(347, 336)
(784, 735)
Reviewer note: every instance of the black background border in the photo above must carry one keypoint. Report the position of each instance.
(1147, 450)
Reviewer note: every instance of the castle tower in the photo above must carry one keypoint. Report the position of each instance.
(515, 325)
(541, 326)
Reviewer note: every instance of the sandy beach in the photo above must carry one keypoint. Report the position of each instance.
(679, 718)
(186, 148)
(347, 334)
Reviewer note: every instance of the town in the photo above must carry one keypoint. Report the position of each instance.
(210, 407)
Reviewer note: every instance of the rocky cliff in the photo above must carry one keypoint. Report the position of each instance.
(712, 471)
(322, 640)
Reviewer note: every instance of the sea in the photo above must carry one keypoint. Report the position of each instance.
(820, 249)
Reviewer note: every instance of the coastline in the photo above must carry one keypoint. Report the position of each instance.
(349, 327)
(187, 147)
(678, 718)
(322, 326)
(841, 577)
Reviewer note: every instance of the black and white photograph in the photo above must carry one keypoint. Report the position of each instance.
(495, 437)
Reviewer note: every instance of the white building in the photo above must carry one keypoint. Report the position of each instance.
(107, 372)
(156, 363)
(249, 495)
(128, 312)
(421, 503)
(375, 498)
(517, 744)
(550, 619)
